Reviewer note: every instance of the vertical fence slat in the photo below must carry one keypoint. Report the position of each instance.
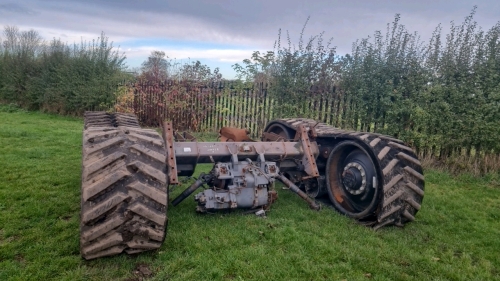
(254, 129)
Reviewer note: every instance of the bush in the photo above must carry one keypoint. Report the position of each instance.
(57, 77)
(441, 97)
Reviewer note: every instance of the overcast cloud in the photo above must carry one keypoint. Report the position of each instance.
(223, 32)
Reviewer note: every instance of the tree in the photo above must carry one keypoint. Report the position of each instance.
(155, 68)
(198, 72)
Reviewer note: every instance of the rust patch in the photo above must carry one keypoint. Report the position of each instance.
(272, 197)
(168, 137)
(230, 134)
(308, 160)
(223, 170)
(272, 169)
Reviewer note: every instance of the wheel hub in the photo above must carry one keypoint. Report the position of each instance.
(354, 178)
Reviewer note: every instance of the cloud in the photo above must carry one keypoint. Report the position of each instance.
(68, 36)
(225, 31)
(240, 24)
(222, 55)
(127, 24)
(16, 9)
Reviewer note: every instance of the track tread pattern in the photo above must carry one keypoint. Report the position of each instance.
(126, 119)
(97, 119)
(402, 175)
(124, 194)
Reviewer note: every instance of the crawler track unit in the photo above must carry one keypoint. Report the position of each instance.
(126, 172)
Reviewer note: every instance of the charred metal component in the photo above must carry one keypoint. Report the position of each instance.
(314, 187)
(369, 177)
(313, 205)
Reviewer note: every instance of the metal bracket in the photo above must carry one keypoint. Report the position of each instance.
(308, 159)
(168, 137)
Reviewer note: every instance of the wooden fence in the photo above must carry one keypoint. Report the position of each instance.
(209, 107)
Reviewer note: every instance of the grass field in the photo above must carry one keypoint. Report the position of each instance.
(456, 235)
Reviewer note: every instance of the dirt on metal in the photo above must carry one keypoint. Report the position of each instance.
(123, 195)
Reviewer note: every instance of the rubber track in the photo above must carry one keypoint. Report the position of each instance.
(105, 119)
(124, 194)
(97, 119)
(126, 119)
(403, 179)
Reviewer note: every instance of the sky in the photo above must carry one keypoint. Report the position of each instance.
(221, 33)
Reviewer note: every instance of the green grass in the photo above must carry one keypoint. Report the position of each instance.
(456, 235)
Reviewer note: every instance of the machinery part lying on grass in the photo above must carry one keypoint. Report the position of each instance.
(124, 186)
(247, 181)
(370, 177)
(126, 171)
